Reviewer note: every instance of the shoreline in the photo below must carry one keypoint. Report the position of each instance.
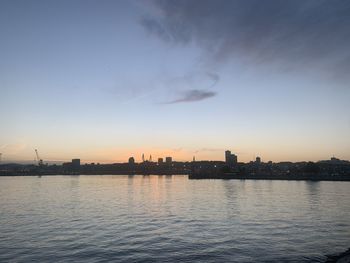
(286, 177)
(201, 177)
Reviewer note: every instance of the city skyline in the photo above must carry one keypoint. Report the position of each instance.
(106, 81)
(226, 156)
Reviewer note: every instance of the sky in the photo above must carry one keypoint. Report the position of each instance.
(106, 80)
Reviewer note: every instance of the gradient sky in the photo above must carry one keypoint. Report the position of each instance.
(105, 80)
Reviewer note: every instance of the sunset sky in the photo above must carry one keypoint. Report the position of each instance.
(105, 80)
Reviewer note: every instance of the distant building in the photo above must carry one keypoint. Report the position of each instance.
(234, 159)
(227, 156)
(160, 160)
(76, 162)
(230, 158)
(333, 159)
(75, 165)
(131, 160)
(258, 160)
(168, 160)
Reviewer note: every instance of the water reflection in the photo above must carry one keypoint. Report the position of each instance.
(313, 190)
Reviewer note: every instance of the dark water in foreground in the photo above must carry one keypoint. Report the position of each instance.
(170, 218)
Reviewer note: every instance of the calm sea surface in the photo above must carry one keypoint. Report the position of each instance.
(171, 218)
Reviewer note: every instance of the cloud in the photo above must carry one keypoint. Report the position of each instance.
(193, 95)
(294, 33)
(185, 88)
(209, 150)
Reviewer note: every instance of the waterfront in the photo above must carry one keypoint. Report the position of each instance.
(171, 218)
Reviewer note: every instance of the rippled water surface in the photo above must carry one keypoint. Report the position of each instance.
(171, 218)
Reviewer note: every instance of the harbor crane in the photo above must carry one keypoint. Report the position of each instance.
(40, 161)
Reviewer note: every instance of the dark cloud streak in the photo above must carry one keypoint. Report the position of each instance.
(193, 95)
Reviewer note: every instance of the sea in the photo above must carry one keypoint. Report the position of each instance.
(117, 218)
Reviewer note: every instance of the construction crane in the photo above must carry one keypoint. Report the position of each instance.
(40, 161)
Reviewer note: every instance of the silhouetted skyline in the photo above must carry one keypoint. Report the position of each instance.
(106, 80)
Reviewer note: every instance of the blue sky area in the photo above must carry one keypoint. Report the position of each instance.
(105, 80)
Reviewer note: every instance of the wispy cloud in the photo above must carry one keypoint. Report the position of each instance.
(209, 150)
(185, 87)
(193, 96)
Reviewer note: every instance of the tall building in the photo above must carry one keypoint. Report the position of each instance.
(234, 159)
(227, 156)
(131, 160)
(168, 160)
(258, 160)
(75, 165)
(230, 158)
(76, 162)
(160, 160)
